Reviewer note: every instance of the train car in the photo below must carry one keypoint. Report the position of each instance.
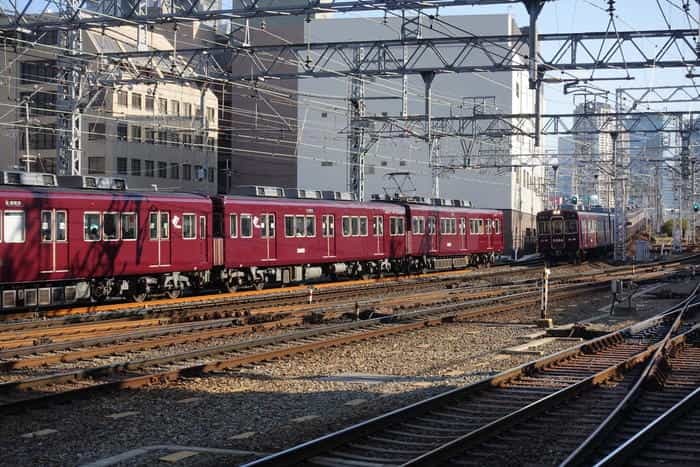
(570, 234)
(446, 234)
(63, 245)
(271, 238)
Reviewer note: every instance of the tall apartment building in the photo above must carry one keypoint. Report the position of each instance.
(591, 176)
(156, 135)
(302, 128)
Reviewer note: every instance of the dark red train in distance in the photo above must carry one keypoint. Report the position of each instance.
(88, 238)
(572, 235)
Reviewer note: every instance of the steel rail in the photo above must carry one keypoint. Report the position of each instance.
(319, 446)
(586, 449)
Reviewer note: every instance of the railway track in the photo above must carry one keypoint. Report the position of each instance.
(486, 423)
(163, 369)
(241, 304)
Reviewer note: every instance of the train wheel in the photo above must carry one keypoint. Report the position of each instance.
(173, 293)
(138, 296)
(259, 285)
(231, 286)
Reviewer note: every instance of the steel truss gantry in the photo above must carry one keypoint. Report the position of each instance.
(22, 14)
(463, 54)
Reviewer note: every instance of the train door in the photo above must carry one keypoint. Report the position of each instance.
(328, 227)
(54, 254)
(378, 233)
(267, 231)
(159, 232)
(462, 233)
(204, 242)
(432, 233)
(489, 234)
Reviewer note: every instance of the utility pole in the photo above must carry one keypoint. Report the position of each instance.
(356, 138)
(411, 28)
(71, 72)
(433, 156)
(619, 231)
(534, 8)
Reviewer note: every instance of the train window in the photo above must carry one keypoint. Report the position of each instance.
(363, 226)
(473, 227)
(310, 226)
(233, 225)
(543, 227)
(397, 226)
(378, 226)
(299, 226)
(188, 226)
(14, 226)
(246, 226)
(462, 226)
(346, 226)
(46, 223)
(267, 229)
(480, 223)
(153, 225)
(328, 225)
(571, 226)
(488, 227)
(164, 225)
(128, 226)
(497, 226)
(557, 226)
(110, 226)
(418, 225)
(288, 226)
(92, 227)
(203, 227)
(61, 226)
(355, 224)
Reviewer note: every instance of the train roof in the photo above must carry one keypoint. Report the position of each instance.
(273, 201)
(77, 193)
(554, 212)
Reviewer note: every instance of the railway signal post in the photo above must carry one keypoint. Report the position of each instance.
(544, 321)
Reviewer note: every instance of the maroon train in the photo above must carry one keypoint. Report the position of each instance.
(63, 244)
(570, 234)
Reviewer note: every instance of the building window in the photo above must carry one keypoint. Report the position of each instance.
(163, 106)
(136, 134)
(96, 165)
(40, 138)
(211, 115)
(174, 107)
(122, 131)
(150, 168)
(96, 131)
(187, 140)
(211, 144)
(136, 101)
(123, 98)
(174, 170)
(38, 72)
(186, 172)
(186, 109)
(324, 114)
(122, 166)
(150, 103)
(326, 164)
(173, 138)
(162, 170)
(402, 163)
(41, 103)
(136, 167)
(188, 226)
(150, 136)
(210, 173)
(162, 137)
(199, 173)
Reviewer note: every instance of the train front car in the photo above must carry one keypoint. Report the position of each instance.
(558, 235)
(573, 235)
